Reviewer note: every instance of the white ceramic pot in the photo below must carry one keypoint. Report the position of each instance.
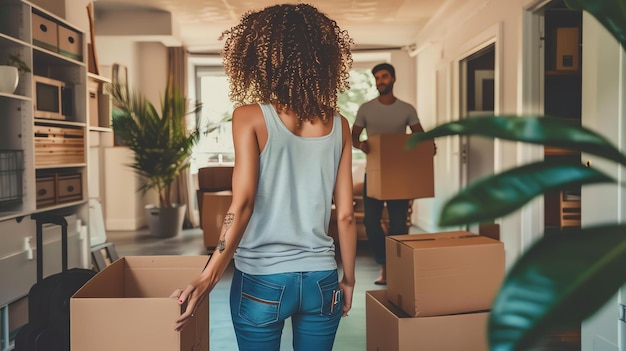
(9, 77)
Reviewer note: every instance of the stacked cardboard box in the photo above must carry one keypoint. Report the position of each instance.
(440, 288)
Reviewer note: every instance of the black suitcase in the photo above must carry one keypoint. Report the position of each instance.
(48, 325)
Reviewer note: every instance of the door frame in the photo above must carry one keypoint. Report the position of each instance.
(490, 36)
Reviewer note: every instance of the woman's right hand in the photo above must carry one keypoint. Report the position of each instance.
(348, 291)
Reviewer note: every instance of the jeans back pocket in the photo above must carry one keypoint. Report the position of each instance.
(332, 298)
(260, 300)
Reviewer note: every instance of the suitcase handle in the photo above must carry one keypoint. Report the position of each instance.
(46, 218)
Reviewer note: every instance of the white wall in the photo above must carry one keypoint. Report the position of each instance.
(147, 67)
(602, 111)
(446, 40)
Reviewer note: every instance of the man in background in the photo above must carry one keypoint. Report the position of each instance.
(385, 114)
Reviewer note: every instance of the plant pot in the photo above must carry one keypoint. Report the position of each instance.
(9, 77)
(165, 222)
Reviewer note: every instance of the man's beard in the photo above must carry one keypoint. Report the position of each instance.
(388, 88)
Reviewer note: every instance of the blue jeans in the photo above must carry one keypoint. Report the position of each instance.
(259, 305)
(373, 212)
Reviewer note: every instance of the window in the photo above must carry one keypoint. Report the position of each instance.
(211, 88)
(362, 89)
(216, 143)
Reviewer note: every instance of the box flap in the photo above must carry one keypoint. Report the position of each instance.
(109, 282)
(159, 276)
(445, 239)
(143, 276)
(134, 262)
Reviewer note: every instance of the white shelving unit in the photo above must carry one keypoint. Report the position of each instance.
(62, 171)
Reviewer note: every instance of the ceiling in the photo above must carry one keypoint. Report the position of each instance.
(198, 24)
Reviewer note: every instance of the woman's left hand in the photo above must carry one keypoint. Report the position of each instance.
(193, 295)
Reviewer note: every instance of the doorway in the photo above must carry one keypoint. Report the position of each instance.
(477, 73)
(558, 31)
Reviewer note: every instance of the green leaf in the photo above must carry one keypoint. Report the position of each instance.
(560, 281)
(547, 131)
(611, 13)
(501, 194)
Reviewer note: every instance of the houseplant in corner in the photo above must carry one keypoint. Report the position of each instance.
(162, 142)
(563, 278)
(9, 73)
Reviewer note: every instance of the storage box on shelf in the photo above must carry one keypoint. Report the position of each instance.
(52, 35)
(45, 32)
(54, 188)
(100, 104)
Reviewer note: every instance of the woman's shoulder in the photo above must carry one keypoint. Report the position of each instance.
(248, 111)
(248, 108)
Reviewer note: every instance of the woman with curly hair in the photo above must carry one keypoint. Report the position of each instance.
(286, 64)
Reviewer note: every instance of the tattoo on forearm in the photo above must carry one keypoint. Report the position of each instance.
(228, 222)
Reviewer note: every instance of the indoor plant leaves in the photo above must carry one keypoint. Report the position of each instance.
(611, 13)
(547, 131)
(501, 194)
(561, 280)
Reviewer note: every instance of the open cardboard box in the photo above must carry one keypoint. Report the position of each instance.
(395, 172)
(443, 273)
(127, 306)
(388, 328)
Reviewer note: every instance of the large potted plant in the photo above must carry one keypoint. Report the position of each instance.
(162, 142)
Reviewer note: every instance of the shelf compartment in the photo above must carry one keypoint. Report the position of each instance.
(15, 19)
(11, 178)
(569, 209)
(58, 145)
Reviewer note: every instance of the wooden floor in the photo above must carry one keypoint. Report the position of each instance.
(351, 333)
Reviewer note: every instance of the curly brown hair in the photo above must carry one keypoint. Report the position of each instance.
(291, 55)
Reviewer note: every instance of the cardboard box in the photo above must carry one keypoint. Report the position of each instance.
(45, 33)
(214, 208)
(127, 306)
(70, 43)
(395, 172)
(389, 329)
(567, 48)
(93, 92)
(443, 273)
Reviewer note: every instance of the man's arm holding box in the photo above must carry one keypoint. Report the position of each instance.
(417, 128)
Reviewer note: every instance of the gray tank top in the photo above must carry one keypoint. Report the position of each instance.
(288, 228)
